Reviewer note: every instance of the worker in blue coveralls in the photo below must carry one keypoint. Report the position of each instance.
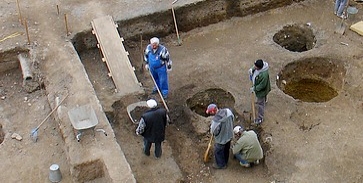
(158, 62)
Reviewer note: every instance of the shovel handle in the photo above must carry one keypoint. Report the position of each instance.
(253, 105)
(157, 88)
(206, 154)
(45, 119)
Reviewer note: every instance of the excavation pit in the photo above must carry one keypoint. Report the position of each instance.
(313, 79)
(295, 38)
(200, 101)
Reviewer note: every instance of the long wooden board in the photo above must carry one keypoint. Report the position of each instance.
(116, 56)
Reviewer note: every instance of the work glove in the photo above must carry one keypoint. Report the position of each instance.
(168, 65)
(252, 90)
(250, 72)
(147, 67)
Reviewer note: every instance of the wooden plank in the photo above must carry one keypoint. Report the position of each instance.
(116, 56)
(357, 27)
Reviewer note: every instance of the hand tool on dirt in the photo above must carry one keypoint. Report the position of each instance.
(34, 132)
(157, 88)
(340, 29)
(206, 154)
(175, 24)
(253, 106)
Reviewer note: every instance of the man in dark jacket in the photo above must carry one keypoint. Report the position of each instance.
(152, 128)
(222, 129)
(261, 86)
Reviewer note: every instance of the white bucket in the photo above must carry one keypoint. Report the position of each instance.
(54, 173)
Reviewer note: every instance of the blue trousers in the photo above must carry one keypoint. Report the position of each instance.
(339, 6)
(147, 146)
(221, 153)
(161, 78)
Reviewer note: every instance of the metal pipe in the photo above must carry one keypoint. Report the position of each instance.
(24, 64)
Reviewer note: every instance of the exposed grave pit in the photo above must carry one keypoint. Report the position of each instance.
(296, 38)
(200, 101)
(315, 79)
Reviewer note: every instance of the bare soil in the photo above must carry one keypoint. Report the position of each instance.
(302, 141)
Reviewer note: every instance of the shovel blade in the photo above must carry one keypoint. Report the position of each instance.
(34, 135)
(340, 29)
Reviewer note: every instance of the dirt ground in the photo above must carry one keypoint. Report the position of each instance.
(308, 141)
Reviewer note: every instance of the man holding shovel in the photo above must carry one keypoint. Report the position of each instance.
(261, 86)
(222, 129)
(157, 60)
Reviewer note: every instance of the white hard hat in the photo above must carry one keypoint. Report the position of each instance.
(151, 103)
(237, 129)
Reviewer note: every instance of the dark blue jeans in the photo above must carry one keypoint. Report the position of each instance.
(147, 146)
(221, 153)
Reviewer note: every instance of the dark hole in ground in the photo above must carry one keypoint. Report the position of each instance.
(296, 38)
(311, 90)
(200, 101)
(314, 79)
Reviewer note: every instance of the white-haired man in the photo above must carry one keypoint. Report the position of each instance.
(152, 127)
(247, 149)
(158, 62)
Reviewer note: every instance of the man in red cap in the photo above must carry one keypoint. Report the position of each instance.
(222, 129)
(261, 86)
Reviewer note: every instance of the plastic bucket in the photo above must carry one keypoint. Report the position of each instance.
(351, 10)
(54, 173)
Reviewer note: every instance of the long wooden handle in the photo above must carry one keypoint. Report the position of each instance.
(157, 88)
(253, 104)
(175, 24)
(45, 119)
(206, 154)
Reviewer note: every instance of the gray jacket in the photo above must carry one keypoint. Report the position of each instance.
(222, 126)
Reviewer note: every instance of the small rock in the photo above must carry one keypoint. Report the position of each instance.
(16, 136)
(29, 104)
(25, 98)
(3, 97)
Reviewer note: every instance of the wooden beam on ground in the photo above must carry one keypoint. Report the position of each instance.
(116, 56)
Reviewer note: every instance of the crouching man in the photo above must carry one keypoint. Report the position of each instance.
(247, 149)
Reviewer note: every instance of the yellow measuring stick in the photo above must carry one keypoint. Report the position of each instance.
(11, 36)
